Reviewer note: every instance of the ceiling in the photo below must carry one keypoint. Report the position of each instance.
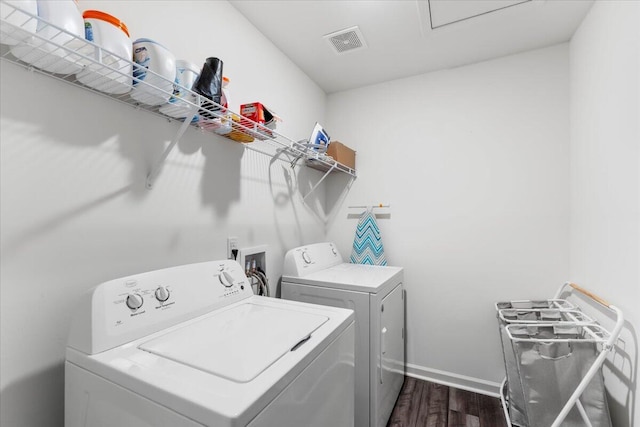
(407, 37)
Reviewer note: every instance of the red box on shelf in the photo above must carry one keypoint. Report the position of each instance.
(260, 114)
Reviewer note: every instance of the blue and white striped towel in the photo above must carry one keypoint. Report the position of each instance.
(367, 243)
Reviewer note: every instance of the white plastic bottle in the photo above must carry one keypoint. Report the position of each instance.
(224, 100)
(225, 121)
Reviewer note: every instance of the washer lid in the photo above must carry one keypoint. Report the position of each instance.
(237, 344)
(354, 277)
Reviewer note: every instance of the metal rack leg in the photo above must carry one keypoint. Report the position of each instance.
(583, 413)
(503, 400)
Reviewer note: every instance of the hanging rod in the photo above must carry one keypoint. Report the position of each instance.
(379, 205)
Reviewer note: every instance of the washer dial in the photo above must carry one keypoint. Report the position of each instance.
(162, 294)
(134, 301)
(226, 279)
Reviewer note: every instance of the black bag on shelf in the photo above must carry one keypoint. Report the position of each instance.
(209, 85)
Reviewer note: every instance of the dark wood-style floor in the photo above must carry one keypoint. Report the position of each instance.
(425, 404)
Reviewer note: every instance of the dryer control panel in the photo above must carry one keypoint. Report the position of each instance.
(308, 259)
(132, 307)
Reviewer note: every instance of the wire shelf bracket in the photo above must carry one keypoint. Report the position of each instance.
(155, 171)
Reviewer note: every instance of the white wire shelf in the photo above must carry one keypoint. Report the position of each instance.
(63, 56)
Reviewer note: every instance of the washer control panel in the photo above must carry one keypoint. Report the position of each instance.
(142, 293)
(134, 306)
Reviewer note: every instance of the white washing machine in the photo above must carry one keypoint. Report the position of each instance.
(192, 346)
(318, 274)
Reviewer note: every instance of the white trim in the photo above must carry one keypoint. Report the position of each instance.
(463, 382)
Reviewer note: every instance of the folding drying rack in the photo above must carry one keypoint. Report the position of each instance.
(553, 353)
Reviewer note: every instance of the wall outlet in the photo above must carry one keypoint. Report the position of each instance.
(232, 244)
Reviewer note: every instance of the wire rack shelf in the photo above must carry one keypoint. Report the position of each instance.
(53, 51)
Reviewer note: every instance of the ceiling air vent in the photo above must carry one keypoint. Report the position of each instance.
(346, 40)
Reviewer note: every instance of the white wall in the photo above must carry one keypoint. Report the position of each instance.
(605, 181)
(74, 210)
(474, 162)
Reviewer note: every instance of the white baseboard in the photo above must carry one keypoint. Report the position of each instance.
(450, 379)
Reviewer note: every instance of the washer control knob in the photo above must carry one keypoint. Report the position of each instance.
(134, 301)
(306, 258)
(335, 252)
(162, 294)
(226, 279)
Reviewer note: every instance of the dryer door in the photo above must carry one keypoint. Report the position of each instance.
(390, 358)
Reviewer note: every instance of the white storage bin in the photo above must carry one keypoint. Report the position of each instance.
(25, 24)
(154, 72)
(60, 22)
(181, 103)
(112, 73)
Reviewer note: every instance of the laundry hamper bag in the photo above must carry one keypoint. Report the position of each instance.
(546, 355)
(517, 407)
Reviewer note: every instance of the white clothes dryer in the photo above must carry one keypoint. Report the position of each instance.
(318, 274)
(192, 346)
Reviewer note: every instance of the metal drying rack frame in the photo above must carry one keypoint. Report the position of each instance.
(576, 315)
(65, 53)
(597, 333)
